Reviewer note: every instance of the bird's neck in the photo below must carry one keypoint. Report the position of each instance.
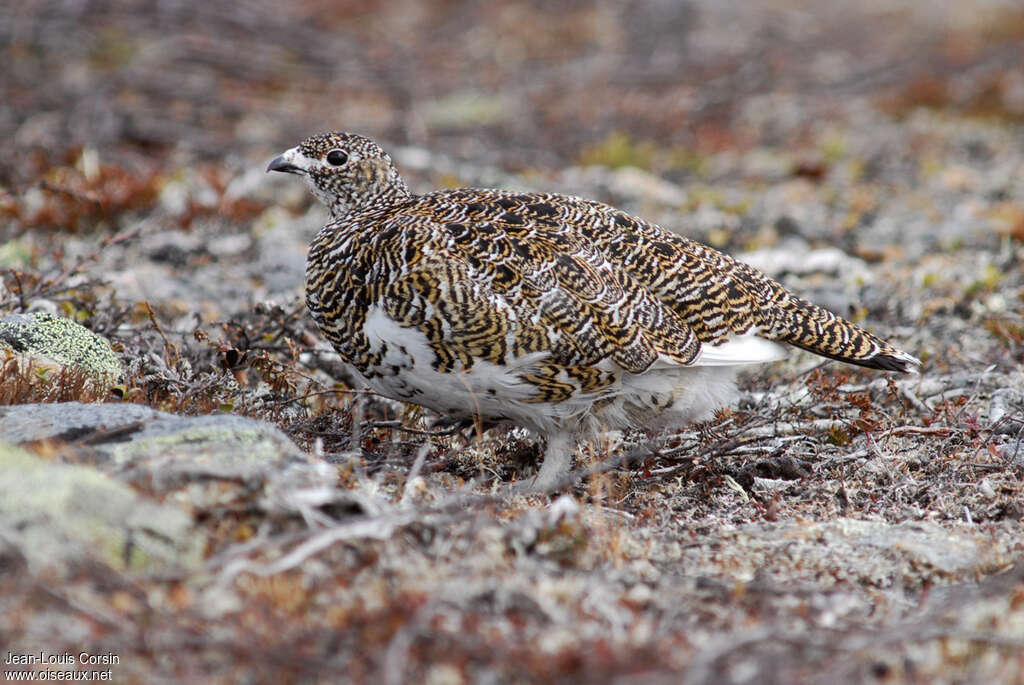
(382, 188)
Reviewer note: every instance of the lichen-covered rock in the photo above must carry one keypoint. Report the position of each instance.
(50, 341)
(59, 514)
(213, 457)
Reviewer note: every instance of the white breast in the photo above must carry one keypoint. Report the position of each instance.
(407, 373)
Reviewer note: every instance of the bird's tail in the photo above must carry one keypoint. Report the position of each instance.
(813, 328)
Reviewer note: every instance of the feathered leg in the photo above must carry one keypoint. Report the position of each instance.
(557, 460)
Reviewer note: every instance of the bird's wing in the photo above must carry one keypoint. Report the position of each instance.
(486, 285)
(722, 299)
(730, 309)
(499, 276)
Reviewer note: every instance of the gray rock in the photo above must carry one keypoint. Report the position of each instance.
(68, 422)
(469, 108)
(58, 514)
(165, 453)
(865, 552)
(923, 544)
(1004, 410)
(1013, 452)
(795, 257)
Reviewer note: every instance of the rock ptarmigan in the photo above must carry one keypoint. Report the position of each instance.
(556, 313)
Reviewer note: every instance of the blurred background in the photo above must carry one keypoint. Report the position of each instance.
(522, 84)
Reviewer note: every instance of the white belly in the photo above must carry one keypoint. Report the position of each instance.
(666, 395)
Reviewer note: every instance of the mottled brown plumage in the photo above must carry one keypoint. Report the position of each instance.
(561, 314)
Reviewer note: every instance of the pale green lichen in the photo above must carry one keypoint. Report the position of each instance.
(225, 443)
(56, 513)
(620, 149)
(42, 335)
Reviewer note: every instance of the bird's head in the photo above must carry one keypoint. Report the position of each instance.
(345, 171)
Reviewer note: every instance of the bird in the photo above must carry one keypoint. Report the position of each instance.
(556, 313)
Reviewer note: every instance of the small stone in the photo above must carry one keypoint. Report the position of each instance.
(634, 182)
(1001, 416)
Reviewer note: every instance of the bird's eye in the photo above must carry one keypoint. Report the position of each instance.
(336, 157)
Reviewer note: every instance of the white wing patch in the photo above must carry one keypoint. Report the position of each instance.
(743, 349)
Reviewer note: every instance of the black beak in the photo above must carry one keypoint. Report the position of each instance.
(279, 164)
